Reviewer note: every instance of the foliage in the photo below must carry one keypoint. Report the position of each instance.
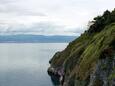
(100, 22)
(81, 55)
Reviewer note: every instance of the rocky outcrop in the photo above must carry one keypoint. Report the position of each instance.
(90, 59)
(103, 70)
(57, 73)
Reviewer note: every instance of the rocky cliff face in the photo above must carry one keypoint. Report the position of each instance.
(90, 59)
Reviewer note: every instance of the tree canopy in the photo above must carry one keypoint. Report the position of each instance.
(100, 21)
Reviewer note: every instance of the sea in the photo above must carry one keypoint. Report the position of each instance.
(25, 64)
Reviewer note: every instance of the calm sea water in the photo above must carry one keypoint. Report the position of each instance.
(26, 64)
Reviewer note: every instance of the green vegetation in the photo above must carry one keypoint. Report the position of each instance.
(112, 76)
(81, 56)
(100, 22)
(93, 51)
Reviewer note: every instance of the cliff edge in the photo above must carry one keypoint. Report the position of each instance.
(90, 59)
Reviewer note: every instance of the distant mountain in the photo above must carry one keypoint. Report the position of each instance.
(35, 39)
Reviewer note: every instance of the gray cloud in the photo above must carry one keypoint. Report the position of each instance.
(20, 12)
(7, 1)
(49, 17)
(43, 28)
(11, 7)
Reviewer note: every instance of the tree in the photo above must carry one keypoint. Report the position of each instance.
(100, 22)
(107, 17)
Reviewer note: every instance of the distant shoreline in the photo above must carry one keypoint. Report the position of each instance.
(35, 39)
(33, 42)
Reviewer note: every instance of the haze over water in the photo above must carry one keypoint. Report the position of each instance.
(26, 64)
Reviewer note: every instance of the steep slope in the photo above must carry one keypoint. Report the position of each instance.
(90, 59)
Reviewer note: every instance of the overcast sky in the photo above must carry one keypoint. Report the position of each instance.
(49, 17)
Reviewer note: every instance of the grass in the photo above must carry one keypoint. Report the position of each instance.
(93, 51)
(112, 76)
(84, 52)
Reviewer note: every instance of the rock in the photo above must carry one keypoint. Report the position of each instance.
(57, 73)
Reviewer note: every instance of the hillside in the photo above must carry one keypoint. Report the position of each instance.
(90, 59)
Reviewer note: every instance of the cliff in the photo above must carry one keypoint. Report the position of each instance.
(90, 59)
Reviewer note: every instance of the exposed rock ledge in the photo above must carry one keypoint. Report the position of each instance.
(57, 73)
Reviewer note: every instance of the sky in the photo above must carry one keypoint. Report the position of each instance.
(49, 17)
